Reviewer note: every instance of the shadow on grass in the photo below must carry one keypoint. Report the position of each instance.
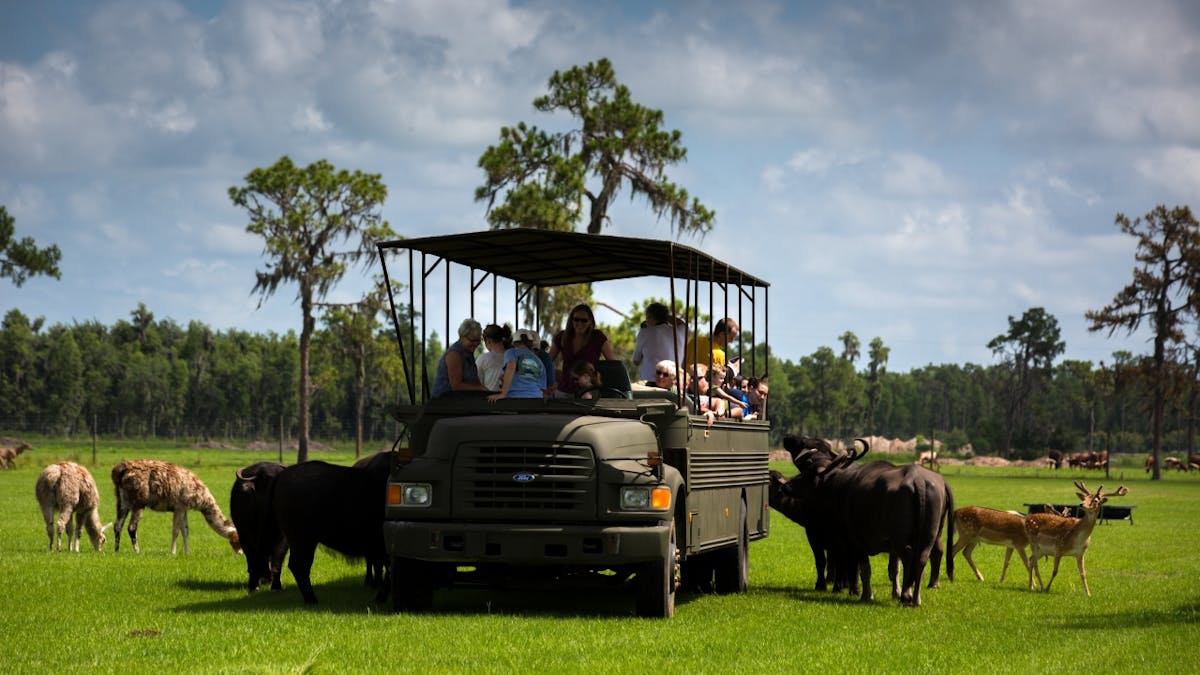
(351, 596)
(827, 597)
(1188, 612)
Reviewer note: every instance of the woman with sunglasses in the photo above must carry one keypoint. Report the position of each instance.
(579, 341)
(664, 376)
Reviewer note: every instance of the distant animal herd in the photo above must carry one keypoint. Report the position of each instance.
(850, 511)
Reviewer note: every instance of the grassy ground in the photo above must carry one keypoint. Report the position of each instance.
(153, 612)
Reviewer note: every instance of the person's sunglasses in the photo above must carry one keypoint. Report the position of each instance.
(580, 319)
(662, 373)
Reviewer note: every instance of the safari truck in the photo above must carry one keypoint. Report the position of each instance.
(632, 489)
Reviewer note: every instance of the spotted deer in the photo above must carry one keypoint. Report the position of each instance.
(1051, 534)
(977, 524)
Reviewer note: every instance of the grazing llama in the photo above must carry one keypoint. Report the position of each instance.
(68, 488)
(9, 453)
(162, 486)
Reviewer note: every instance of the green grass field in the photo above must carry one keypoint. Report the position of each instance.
(153, 612)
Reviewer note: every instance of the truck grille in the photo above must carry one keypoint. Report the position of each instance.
(727, 469)
(501, 481)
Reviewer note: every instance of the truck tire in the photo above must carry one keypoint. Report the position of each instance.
(412, 585)
(655, 583)
(733, 564)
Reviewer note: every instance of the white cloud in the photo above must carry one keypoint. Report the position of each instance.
(1177, 169)
(913, 175)
(308, 118)
(231, 240)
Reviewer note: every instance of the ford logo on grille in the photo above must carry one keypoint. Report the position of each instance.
(524, 476)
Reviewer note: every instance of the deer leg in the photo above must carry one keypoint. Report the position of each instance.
(1007, 557)
(1024, 558)
(1083, 576)
(1057, 559)
(1033, 569)
(967, 551)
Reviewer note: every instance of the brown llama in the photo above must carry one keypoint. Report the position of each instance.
(163, 486)
(68, 488)
(9, 453)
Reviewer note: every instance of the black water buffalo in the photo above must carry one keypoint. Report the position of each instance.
(784, 496)
(250, 510)
(867, 509)
(375, 568)
(339, 507)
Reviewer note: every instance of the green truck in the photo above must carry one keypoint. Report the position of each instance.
(632, 489)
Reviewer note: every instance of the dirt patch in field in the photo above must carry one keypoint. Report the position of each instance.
(214, 445)
(294, 445)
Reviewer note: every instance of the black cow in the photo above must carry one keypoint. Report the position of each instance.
(783, 496)
(375, 574)
(250, 509)
(867, 509)
(340, 507)
(1055, 458)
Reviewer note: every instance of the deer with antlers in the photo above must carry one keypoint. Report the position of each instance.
(1051, 534)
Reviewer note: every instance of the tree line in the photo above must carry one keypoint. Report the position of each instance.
(147, 377)
(144, 377)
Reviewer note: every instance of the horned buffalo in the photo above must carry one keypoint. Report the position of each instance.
(784, 496)
(876, 508)
(339, 507)
(250, 510)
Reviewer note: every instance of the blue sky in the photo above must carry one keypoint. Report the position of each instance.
(917, 172)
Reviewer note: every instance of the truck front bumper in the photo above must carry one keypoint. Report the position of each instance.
(526, 544)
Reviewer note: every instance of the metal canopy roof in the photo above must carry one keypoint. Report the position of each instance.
(549, 258)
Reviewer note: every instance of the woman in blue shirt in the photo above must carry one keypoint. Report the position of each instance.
(524, 374)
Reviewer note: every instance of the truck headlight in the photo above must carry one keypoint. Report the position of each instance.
(409, 494)
(645, 497)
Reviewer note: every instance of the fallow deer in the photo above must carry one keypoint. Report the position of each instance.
(976, 524)
(1060, 536)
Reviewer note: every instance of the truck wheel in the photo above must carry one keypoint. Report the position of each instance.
(656, 583)
(412, 585)
(733, 568)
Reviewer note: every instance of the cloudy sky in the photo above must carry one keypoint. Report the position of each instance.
(916, 171)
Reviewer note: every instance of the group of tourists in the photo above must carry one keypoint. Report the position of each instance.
(521, 364)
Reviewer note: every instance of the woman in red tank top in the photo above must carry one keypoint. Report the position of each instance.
(579, 341)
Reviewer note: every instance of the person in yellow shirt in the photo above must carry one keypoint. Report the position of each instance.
(711, 351)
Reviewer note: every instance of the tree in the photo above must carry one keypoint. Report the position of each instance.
(1165, 292)
(541, 179)
(19, 378)
(64, 381)
(876, 371)
(1028, 351)
(22, 259)
(314, 220)
(850, 346)
(353, 327)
